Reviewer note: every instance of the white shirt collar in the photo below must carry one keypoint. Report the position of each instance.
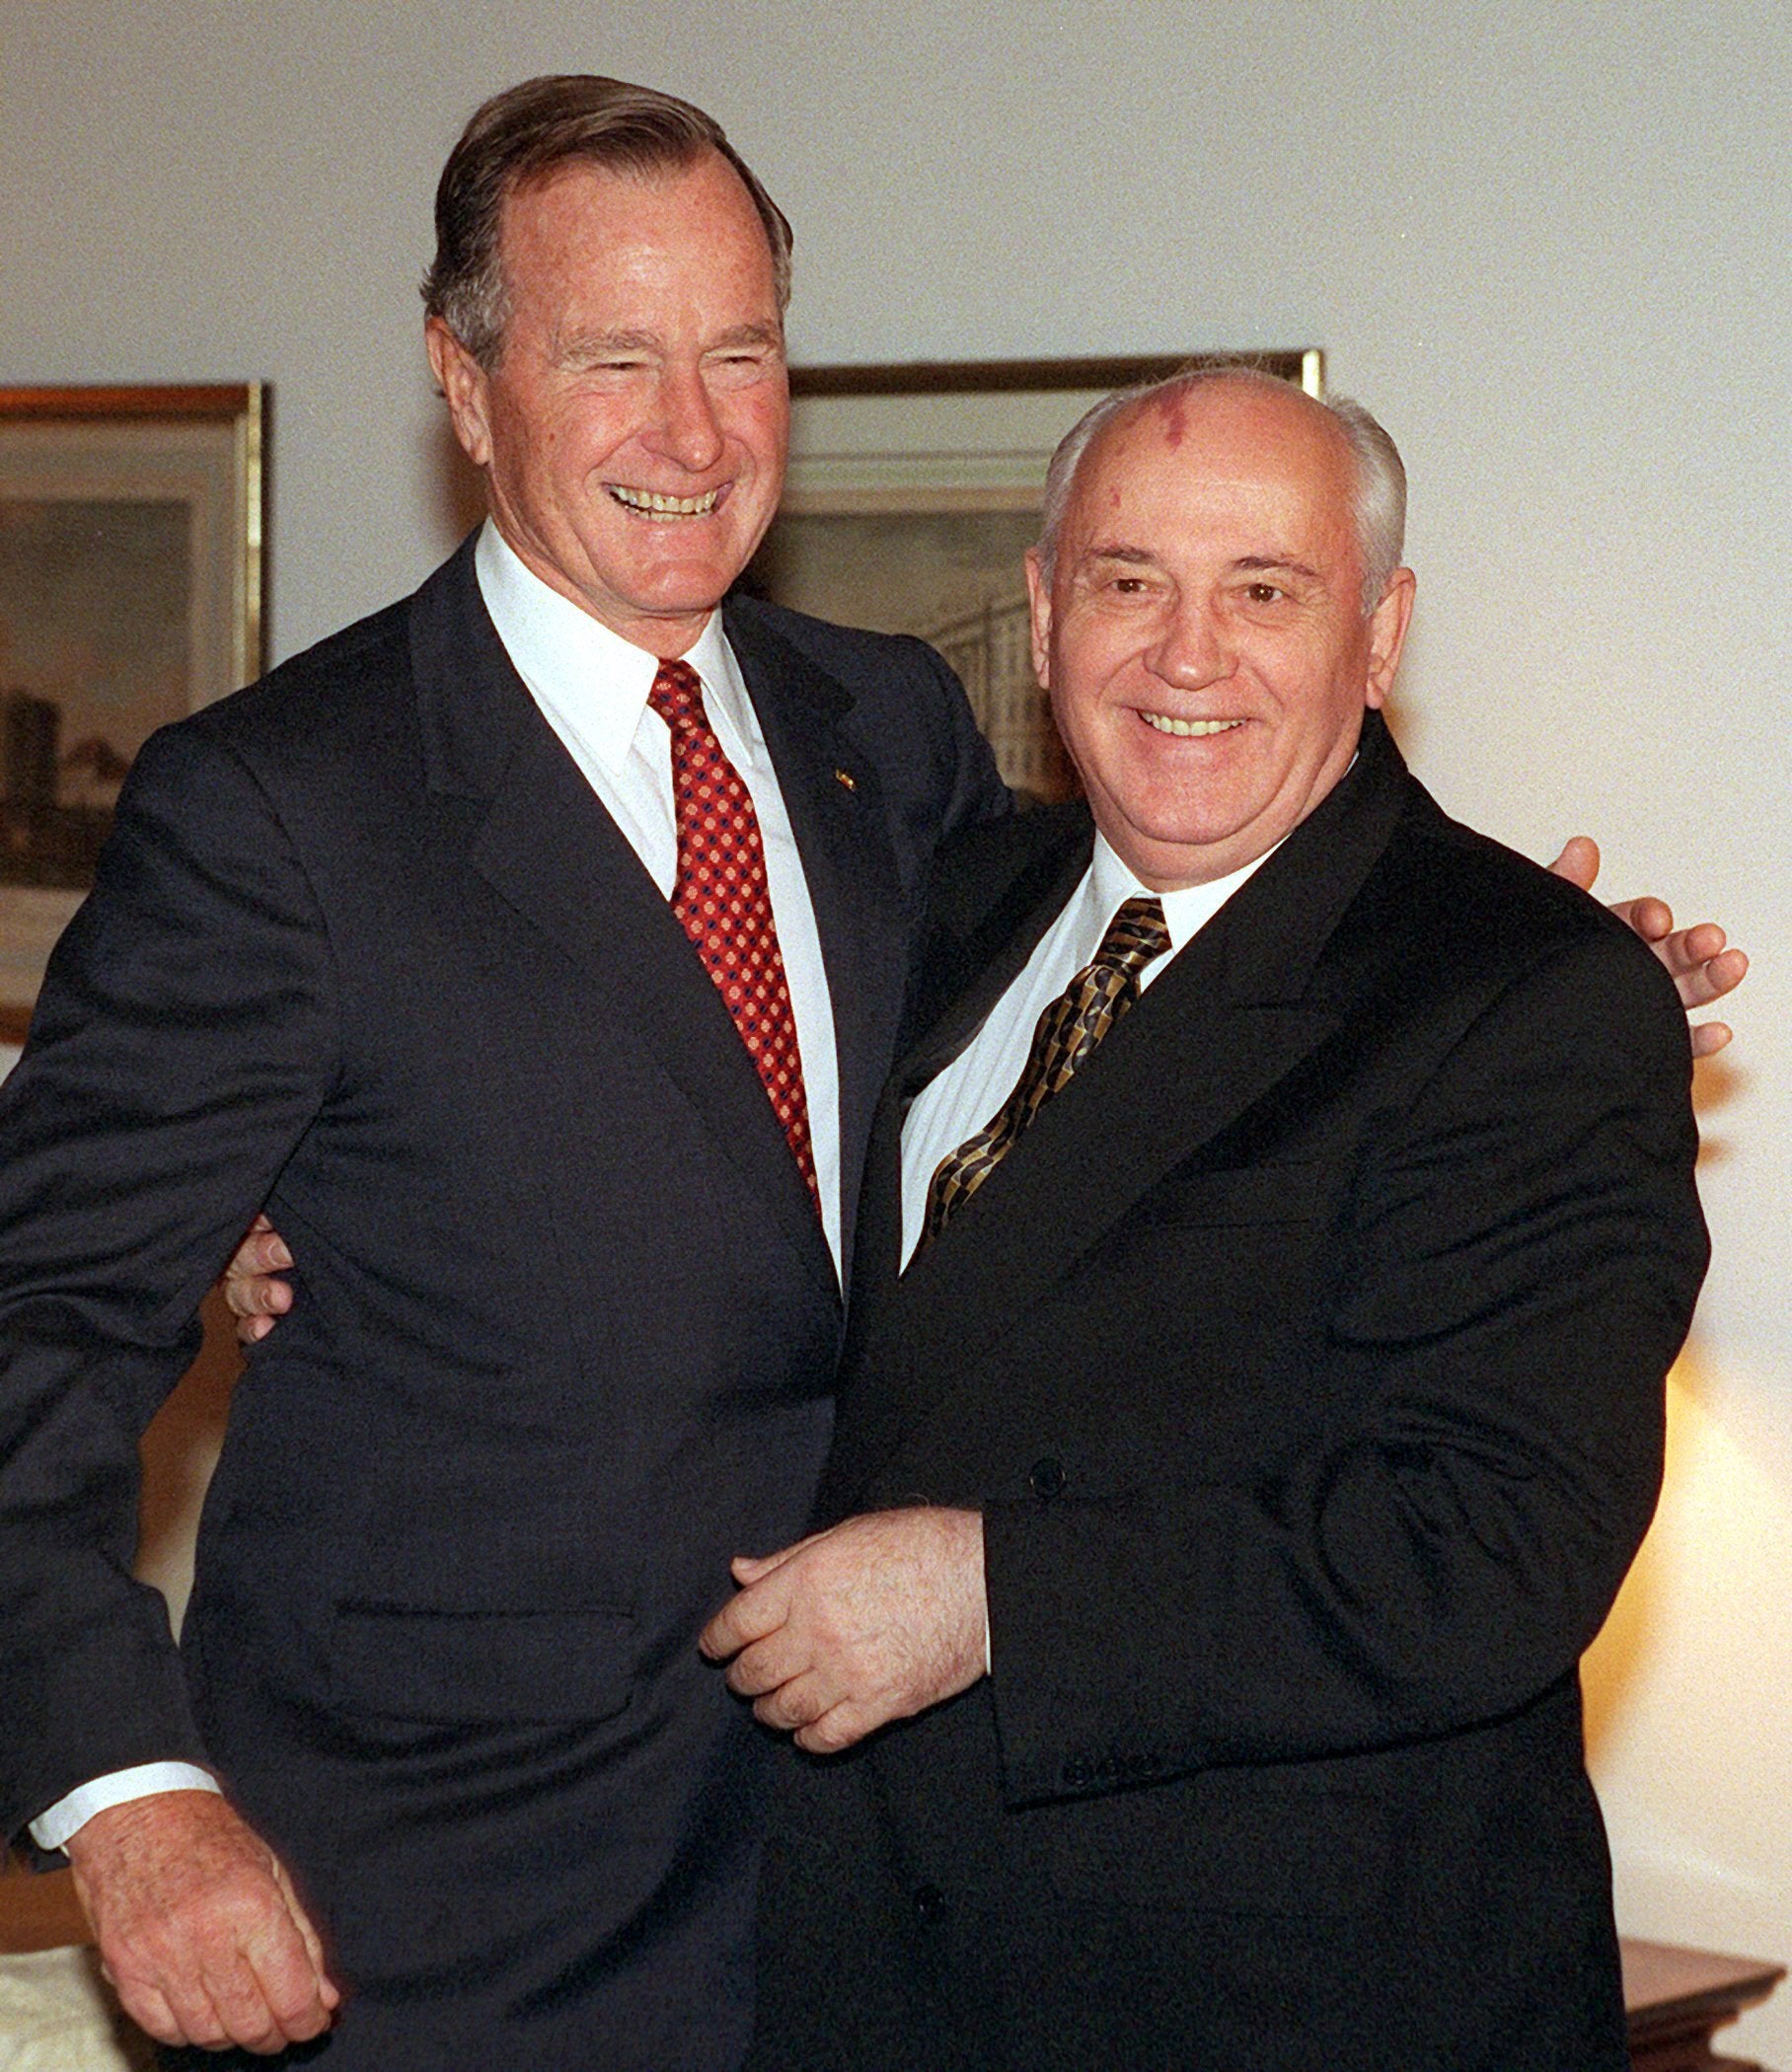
(1185, 911)
(595, 681)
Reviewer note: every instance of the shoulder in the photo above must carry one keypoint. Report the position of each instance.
(897, 704)
(332, 716)
(987, 870)
(355, 669)
(852, 655)
(988, 887)
(1449, 913)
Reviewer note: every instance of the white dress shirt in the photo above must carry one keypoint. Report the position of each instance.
(960, 1100)
(592, 687)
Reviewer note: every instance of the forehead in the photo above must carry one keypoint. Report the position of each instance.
(1216, 467)
(582, 216)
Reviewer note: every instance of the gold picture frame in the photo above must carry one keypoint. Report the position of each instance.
(132, 524)
(912, 494)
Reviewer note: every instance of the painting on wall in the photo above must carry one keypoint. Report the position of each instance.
(130, 593)
(913, 492)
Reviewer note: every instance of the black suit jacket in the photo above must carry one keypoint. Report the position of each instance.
(1306, 1359)
(366, 949)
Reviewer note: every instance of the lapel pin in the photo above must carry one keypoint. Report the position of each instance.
(846, 778)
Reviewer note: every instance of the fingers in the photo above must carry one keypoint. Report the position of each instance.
(836, 1730)
(749, 1568)
(1579, 861)
(798, 1703)
(199, 1927)
(262, 1251)
(256, 1295)
(1699, 959)
(251, 1292)
(1704, 975)
(749, 1617)
(307, 1935)
(1651, 918)
(768, 1664)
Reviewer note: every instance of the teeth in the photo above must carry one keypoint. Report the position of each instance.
(1166, 725)
(652, 505)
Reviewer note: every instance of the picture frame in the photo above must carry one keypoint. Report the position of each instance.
(912, 494)
(132, 576)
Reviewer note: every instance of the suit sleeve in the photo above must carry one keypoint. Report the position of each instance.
(973, 791)
(1515, 1271)
(183, 1039)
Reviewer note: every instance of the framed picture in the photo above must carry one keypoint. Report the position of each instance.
(913, 492)
(130, 592)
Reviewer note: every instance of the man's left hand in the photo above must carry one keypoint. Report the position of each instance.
(875, 1619)
(1695, 958)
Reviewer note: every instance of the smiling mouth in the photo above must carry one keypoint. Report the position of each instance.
(648, 503)
(1183, 728)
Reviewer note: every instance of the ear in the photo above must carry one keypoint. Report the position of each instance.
(1388, 625)
(466, 389)
(1039, 597)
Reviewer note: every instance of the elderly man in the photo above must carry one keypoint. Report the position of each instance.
(1272, 1253)
(533, 951)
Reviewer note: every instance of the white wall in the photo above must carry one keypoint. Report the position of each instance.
(1549, 245)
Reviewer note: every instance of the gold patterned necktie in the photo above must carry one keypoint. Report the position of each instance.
(724, 903)
(1067, 1033)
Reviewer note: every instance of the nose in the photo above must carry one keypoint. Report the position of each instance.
(1193, 651)
(688, 430)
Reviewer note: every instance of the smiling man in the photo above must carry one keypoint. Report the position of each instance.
(1272, 1252)
(533, 951)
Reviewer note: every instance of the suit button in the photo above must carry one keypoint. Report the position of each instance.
(930, 1903)
(1078, 1772)
(1046, 1478)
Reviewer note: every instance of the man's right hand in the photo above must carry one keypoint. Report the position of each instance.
(199, 1927)
(253, 1288)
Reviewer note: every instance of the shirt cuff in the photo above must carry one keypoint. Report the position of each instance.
(53, 1826)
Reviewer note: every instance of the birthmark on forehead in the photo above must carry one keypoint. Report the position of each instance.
(1172, 408)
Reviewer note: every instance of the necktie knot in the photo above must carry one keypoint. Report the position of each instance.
(1137, 934)
(677, 695)
(1068, 1033)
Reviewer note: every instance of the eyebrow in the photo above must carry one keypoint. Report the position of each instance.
(594, 344)
(1134, 557)
(751, 334)
(1262, 564)
(591, 345)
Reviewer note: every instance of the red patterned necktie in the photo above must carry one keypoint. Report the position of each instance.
(1066, 1035)
(722, 901)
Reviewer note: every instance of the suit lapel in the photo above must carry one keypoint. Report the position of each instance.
(547, 847)
(1235, 1014)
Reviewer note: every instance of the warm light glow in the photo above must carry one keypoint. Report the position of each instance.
(1690, 1689)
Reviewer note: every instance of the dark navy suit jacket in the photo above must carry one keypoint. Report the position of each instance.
(367, 950)
(1306, 1360)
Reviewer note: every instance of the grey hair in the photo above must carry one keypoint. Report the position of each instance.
(524, 136)
(1378, 504)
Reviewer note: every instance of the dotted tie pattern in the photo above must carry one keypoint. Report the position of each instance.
(723, 902)
(1066, 1034)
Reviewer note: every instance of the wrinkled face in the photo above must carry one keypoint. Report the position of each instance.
(634, 428)
(1203, 638)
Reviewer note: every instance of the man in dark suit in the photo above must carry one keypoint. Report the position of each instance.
(1270, 1401)
(533, 951)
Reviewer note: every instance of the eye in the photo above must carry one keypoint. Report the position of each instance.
(1263, 593)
